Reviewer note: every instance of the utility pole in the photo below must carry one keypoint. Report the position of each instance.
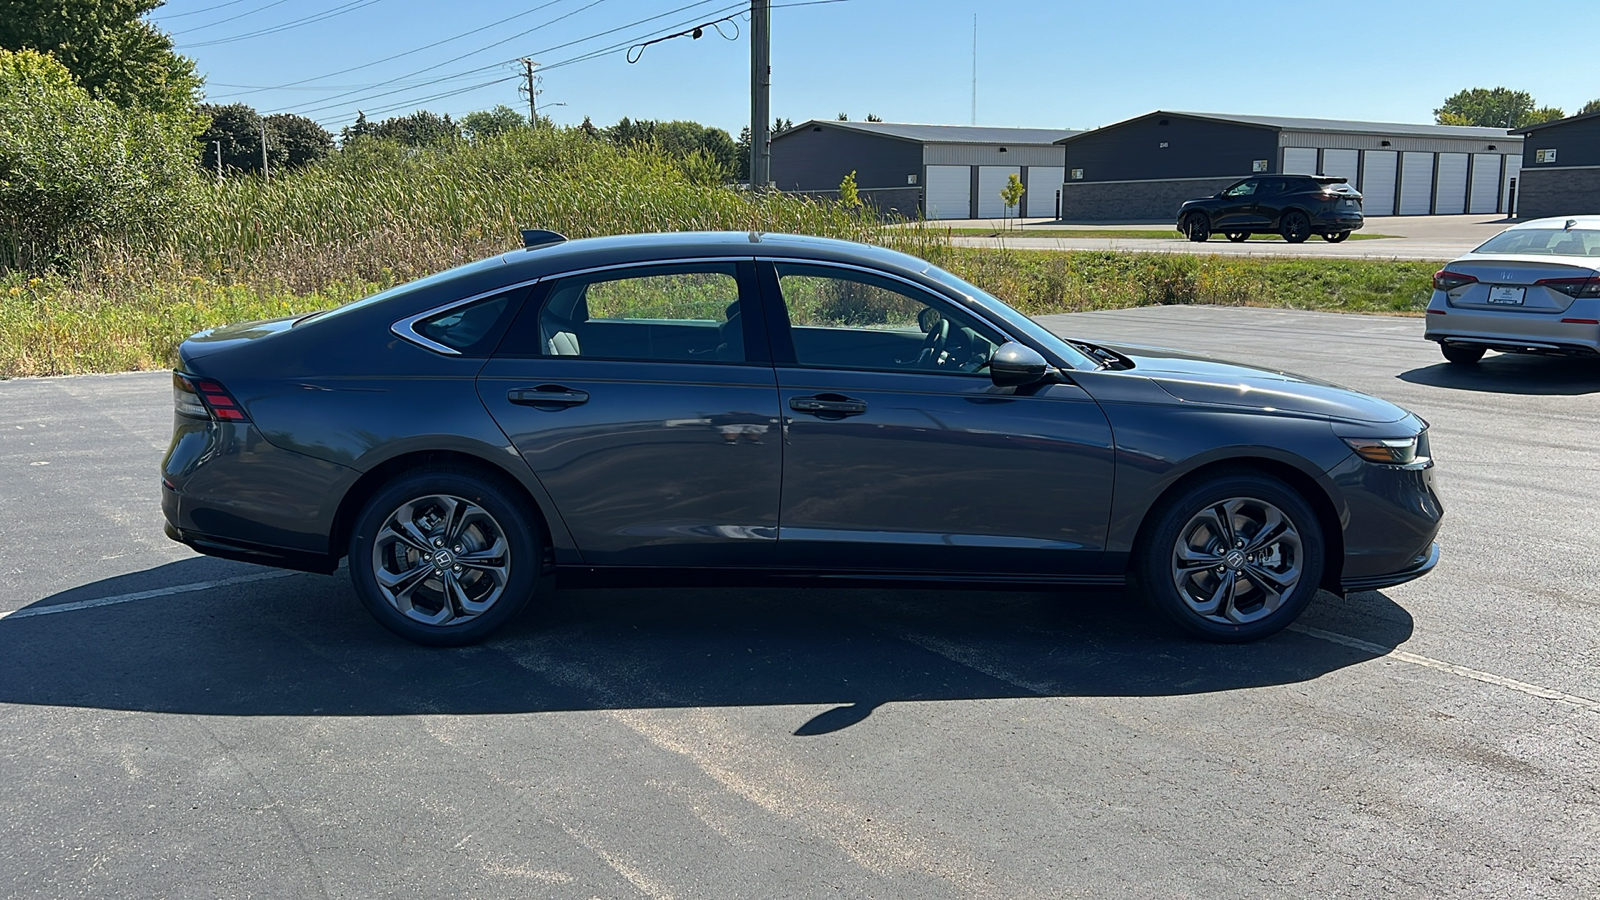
(974, 68)
(760, 94)
(528, 66)
(219, 160)
(265, 171)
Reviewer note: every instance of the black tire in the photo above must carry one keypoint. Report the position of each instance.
(1197, 228)
(503, 582)
(1334, 237)
(1462, 354)
(1157, 572)
(1295, 226)
(1238, 237)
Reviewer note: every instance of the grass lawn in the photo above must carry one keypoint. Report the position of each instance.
(1121, 233)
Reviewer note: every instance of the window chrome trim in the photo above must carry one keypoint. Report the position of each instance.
(407, 328)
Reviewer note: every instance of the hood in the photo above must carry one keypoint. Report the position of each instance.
(213, 340)
(1199, 379)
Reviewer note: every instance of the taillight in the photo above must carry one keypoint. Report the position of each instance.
(1572, 287)
(203, 398)
(1447, 281)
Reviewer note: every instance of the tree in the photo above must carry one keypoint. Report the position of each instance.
(844, 117)
(108, 48)
(848, 195)
(874, 118)
(1493, 108)
(1011, 194)
(1591, 106)
(487, 123)
(588, 128)
(419, 129)
(359, 129)
(292, 141)
(74, 167)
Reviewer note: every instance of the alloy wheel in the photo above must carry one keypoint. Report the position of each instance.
(1235, 561)
(441, 560)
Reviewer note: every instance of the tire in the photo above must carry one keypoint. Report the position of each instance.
(483, 539)
(1461, 354)
(1197, 228)
(1295, 227)
(1334, 237)
(1175, 565)
(1238, 237)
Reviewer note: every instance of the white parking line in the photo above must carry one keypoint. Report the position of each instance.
(30, 611)
(1429, 662)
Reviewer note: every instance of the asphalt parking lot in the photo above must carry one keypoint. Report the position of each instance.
(177, 726)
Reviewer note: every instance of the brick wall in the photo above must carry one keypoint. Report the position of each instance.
(1127, 201)
(1558, 192)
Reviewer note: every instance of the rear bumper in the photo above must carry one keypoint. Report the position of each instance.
(1342, 222)
(1514, 332)
(260, 554)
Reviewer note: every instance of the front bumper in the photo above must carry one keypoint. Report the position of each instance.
(1421, 566)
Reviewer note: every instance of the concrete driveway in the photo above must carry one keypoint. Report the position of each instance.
(1415, 237)
(176, 726)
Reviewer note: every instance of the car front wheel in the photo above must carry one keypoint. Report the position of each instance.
(1296, 227)
(445, 556)
(1461, 353)
(1231, 559)
(1197, 228)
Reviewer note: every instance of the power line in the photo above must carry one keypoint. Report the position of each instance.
(382, 110)
(196, 12)
(248, 12)
(351, 6)
(328, 106)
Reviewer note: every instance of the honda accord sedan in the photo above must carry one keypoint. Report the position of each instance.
(771, 407)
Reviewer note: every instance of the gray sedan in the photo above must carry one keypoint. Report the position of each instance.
(768, 407)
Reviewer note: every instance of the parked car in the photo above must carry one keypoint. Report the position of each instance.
(765, 407)
(1294, 206)
(1533, 288)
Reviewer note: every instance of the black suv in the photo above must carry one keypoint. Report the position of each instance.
(1295, 206)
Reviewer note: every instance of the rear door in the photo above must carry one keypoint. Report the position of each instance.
(644, 400)
(899, 451)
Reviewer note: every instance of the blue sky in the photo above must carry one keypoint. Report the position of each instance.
(1040, 63)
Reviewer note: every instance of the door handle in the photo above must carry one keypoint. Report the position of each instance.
(547, 395)
(828, 404)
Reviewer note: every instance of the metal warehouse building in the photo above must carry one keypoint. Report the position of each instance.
(1145, 167)
(1561, 168)
(939, 171)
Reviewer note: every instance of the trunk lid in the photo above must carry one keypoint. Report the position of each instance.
(1511, 283)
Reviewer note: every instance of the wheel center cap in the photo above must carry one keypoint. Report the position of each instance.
(443, 559)
(1234, 559)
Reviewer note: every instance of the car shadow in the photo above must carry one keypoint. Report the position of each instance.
(301, 645)
(1513, 373)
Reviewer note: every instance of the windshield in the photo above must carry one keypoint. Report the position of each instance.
(1017, 322)
(1544, 242)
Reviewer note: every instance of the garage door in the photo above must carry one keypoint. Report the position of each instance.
(1513, 169)
(991, 180)
(1485, 183)
(949, 192)
(1043, 182)
(1377, 183)
(1416, 183)
(1450, 194)
(1342, 164)
(1300, 161)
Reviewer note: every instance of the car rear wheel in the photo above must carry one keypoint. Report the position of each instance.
(1231, 559)
(445, 556)
(1462, 353)
(1296, 227)
(1334, 237)
(1197, 228)
(1238, 237)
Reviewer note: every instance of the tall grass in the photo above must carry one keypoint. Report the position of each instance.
(377, 214)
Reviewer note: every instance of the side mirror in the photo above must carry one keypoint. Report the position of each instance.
(1015, 364)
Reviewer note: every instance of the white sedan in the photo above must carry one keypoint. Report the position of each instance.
(1533, 288)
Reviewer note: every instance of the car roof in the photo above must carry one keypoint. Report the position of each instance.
(583, 253)
(1559, 222)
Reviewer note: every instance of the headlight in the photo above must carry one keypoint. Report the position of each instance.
(1391, 451)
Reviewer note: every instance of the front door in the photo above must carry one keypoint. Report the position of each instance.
(644, 401)
(901, 454)
(1238, 209)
